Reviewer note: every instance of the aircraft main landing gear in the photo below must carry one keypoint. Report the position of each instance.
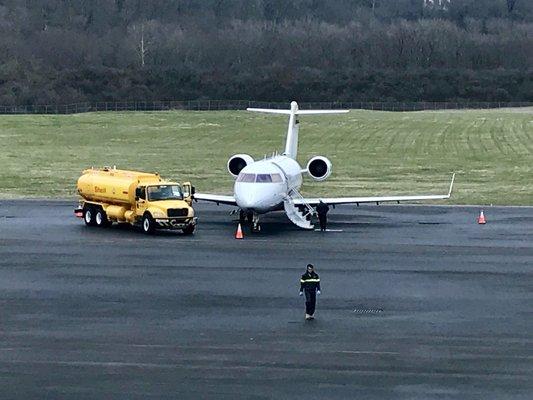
(256, 227)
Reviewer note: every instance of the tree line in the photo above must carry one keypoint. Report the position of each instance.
(273, 50)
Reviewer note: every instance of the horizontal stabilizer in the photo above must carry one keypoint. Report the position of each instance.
(291, 143)
(269, 111)
(299, 112)
(315, 112)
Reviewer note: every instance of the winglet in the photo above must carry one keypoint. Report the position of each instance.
(451, 185)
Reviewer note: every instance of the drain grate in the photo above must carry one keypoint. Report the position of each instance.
(367, 311)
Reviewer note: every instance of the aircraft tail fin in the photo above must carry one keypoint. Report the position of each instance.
(291, 144)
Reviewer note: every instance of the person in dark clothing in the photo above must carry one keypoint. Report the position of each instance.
(322, 211)
(310, 285)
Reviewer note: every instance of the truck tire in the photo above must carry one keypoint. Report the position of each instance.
(88, 216)
(100, 218)
(148, 224)
(189, 230)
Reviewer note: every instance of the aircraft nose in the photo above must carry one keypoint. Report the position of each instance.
(244, 198)
(257, 197)
(247, 200)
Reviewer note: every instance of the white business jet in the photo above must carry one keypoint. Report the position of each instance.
(273, 183)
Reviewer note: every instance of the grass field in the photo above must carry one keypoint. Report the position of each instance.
(373, 152)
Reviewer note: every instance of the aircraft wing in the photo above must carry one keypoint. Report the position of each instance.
(376, 199)
(216, 198)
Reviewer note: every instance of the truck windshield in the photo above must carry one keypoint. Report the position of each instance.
(164, 192)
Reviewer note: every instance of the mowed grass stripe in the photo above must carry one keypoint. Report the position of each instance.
(526, 139)
(373, 152)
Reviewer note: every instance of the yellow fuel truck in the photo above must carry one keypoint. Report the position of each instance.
(142, 199)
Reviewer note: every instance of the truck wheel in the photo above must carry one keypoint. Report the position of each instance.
(189, 230)
(100, 218)
(148, 224)
(88, 216)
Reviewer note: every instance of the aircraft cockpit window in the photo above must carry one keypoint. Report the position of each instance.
(246, 178)
(263, 178)
(259, 178)
(276, 178)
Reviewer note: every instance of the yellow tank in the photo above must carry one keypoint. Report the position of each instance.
(139, 198)
(113, 185)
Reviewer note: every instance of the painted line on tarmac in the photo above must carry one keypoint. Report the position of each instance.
(330, 230)
(179, 241)
(392, 353)
(76, 363)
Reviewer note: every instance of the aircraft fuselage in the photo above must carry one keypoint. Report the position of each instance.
(264, 185)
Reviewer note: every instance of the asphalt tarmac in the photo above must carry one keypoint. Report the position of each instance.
(417, 303)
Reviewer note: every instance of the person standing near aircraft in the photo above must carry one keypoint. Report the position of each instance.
(322, 211)
(310, 284)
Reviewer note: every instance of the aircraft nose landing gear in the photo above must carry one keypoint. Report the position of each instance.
(252, 218)
(256, 227)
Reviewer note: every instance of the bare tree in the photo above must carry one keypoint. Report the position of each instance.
(141, 42)
(142, 48)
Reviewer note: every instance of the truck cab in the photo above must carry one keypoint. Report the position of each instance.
(164, 206)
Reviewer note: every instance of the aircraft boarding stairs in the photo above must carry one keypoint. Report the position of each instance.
(299, 215)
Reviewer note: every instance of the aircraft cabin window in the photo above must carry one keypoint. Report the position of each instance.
(276, 178)
(246, 178)
(263, 178)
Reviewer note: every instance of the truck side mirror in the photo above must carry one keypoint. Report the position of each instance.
(193, 190)
(188, 191)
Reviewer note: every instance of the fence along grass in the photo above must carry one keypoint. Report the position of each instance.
(225, 105)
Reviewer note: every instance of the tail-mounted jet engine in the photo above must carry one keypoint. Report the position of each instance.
(319, 168)
(237, 162)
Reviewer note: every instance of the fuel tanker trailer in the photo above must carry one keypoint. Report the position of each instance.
(138, 198)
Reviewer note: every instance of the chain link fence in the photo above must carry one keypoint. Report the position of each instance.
(213, 105)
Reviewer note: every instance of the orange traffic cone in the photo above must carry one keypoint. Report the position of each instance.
(239, 235)
(481, 219)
